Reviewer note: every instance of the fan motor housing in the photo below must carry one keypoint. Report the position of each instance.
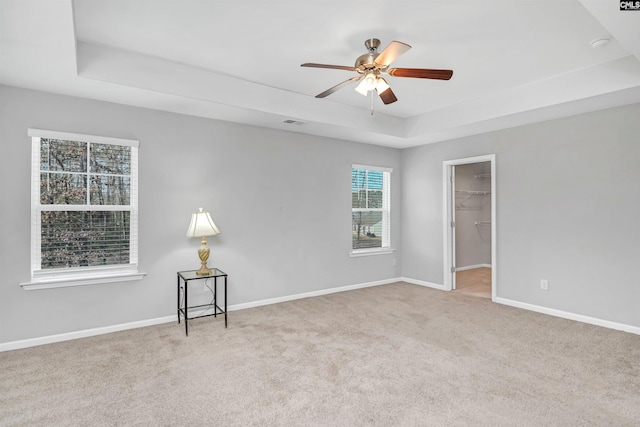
(366, 62)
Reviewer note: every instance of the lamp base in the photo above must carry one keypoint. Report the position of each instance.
(204, 271)
(203, 253)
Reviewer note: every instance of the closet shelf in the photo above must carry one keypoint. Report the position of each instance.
(474, 192)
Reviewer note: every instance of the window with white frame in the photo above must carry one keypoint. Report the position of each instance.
(84, 207)
(370, 209)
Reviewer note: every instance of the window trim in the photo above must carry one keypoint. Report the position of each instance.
(55, 278)
(386, 207)
(355, 253)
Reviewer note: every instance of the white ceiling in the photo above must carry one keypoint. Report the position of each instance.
(514, 61)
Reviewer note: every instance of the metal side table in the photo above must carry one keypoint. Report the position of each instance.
(184, 277)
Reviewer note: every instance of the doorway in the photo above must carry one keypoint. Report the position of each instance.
(469, 225)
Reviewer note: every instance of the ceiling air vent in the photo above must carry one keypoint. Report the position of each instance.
(292, 122)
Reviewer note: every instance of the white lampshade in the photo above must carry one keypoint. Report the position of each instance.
(202, 225)
(381, 85)
(361, 90)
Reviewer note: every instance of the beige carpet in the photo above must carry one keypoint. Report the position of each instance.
(399, 355)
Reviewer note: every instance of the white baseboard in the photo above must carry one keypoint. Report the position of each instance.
(473, 267)
(570, 316)
(423, 283)
(33, 342)
(312, 294)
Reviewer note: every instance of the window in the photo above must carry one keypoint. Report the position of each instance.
(84, 209)
(370, 209)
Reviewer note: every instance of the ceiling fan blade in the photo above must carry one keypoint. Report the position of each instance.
(421, 73)
(391, 53)
(336, 87)
(335, 67)
(388, 96)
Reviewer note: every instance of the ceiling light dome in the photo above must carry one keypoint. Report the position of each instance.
(599, 42)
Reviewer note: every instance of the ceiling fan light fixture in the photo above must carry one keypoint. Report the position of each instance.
(370, 65)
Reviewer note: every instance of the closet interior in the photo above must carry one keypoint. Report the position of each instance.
(473, 228)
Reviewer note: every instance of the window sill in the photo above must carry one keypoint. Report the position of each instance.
(64, 282)
(369, 252)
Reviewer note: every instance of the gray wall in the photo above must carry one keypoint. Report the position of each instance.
(281, 199)
(567, 194)
(568, 198)
(473, 241)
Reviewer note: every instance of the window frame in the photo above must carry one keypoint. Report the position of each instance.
(385, 209)
(76, 276)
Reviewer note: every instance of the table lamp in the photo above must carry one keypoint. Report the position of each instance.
(202, 226)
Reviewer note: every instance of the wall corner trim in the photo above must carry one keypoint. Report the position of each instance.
(423, 283)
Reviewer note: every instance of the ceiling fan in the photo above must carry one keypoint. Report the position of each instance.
(372, 64)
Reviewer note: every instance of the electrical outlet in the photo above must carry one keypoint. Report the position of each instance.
(544, 284)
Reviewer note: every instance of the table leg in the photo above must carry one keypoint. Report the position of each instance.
(225, 301)
(186, 310)
(215, 297)
(178, 299)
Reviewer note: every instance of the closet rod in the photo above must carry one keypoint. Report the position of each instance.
(483, 193)
(483, 223)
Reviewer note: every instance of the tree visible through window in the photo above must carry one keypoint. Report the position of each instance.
(370, 189)
(84, 204)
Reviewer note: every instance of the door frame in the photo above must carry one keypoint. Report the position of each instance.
(448, 214)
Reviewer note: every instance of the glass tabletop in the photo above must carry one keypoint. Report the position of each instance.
(193, 274)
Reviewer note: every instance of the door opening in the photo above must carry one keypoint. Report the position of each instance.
(469, 225)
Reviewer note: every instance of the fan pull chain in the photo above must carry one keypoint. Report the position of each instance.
(371, 102)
